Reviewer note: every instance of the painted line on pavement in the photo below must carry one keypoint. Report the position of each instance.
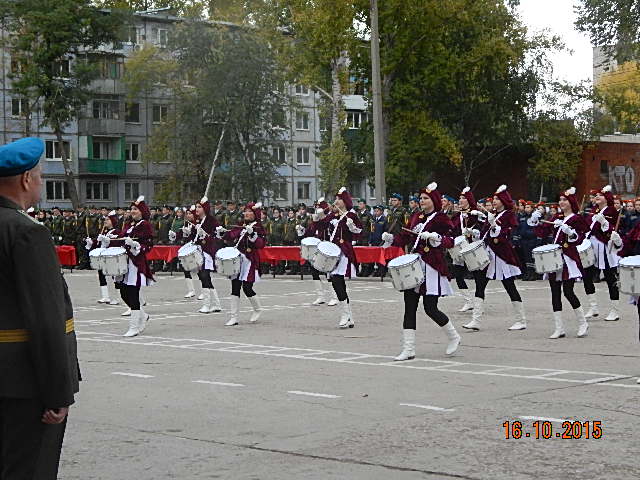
(222, 384)
(312, 394)
(428, 407)
(544, 419)
(136, 375)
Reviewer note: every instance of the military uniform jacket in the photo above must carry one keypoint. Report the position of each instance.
(366, 221)
(396, 220)
(37, 343)
(55, 226)
(275, 231)
(69, 231)
(163, 226)
(290, 233)
(232, 218)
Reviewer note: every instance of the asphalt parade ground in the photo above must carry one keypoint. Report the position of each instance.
(294, 397)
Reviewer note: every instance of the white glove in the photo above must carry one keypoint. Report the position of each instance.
(387, 237)
(566, 229)
(491, 218)
(315, 217)
(350, 223)
(186, 230)
(220, 231)
(467, 231)
(89, 243)
(557, 223)
(300, 229)
(600, 218)
(536, 214)
(476, 233)
(200, 233)
(128, 241)
(475, 212)
(428, 236)
(172, 236)
(249, 229)
(104, 241)
(616, 239)
(135, 248)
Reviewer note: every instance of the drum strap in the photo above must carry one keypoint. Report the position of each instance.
(555, 240)
(421, 228)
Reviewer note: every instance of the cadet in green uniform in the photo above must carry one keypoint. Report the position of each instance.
(232, 216)
(38, 364)
(397, 213)
(414, 206)
(275, 235)
(219, 212)
(69, 227)
(163, 225)
(55, 226)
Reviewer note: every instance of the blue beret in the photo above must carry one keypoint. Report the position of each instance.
(414, 198)
(396, 195)
(20, 156)
(450, 198)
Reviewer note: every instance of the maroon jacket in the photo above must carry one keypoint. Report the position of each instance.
(210, 243)
(318, 230)
(501, 245)
(570, 249)
(141, 232)
(611, 214)
(432, 256)
(343, 237)
(459, 223)
(247, 247)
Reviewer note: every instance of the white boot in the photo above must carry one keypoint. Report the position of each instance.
(143, 298)
(114, 301)
(319, 293)
(613, 312)
(408, 346)
(206, 304)
(257, 309)
(143, 321)
(191, 291)
(134, 323)
(201, 296)
(126, 313)
(453, 336)
(468, 301)
(559, 331)
(593, 307)
(478, 309)
(233, 311)
(521, 320)
(334, 299)
(583, 326)
(104, 291)
(346, 320)
(215, 301)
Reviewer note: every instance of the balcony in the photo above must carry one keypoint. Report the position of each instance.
(101, 127)
(99, 166)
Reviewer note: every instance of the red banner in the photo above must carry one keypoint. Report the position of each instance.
(67, 255)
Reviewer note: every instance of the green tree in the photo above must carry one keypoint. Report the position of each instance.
(49, 38)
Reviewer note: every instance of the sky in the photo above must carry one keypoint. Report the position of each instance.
(558, 17)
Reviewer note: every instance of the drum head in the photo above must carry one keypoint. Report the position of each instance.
(633, 261)
(329, 249)
(403, 260)
(114, 251)
(472, 246)
(187, 249)
(547, 248)
(227, 253)
(96, 252)
(585, 245)
(310, 241)
(460, 239)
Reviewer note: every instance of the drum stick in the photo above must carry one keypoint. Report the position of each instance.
(410, 231)
(581, 209)
(615, 229)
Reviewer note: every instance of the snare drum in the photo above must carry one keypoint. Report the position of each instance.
(459, 243)
(587, 255)
(191, 257)
(548, 258)
(406, 272)
(327, 257)
(115, 261)
(309, 247)
(95, 259)
(475, 256)
(629, 272)
(228, 261)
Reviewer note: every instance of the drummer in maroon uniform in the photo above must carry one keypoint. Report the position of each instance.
(504, 264)
(248, 238)
(346, 228)
(108, 230)
(204, 234)
(137, 239)
(319, 230)
(429, 238)
(568, 231)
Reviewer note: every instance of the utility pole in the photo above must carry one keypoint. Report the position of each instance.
(378, 134)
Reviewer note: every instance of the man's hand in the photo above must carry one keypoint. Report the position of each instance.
(55, 416)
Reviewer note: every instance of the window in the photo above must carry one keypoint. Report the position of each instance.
(106, 109)
(279, 118)
(303, 190)
(323, 123)
(131, 191)
(131, 35)
(604, 167)
(302, 121)
(16, 66)
(101, 149)
(109, 67)
(355, 119)
(302, 90)
(280, 191)
(160, 113)
(160, 36)
(57, 190)
(19, 107)
(280, 155)
(62, 67)
(132, 152)
(132, 113)
(302, 155)
(52, 150)
(97, 190)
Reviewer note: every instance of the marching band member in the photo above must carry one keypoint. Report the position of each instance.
(464, 222)
(111, 231)
(603, 223)
(177, 236)
(319, 230)
(137, 239)
(504, 264)
(567, 230)
(430, 227)
(346, 227)
(249, 238)
(204, 234)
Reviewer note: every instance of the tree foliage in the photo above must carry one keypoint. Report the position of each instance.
(619, 93)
